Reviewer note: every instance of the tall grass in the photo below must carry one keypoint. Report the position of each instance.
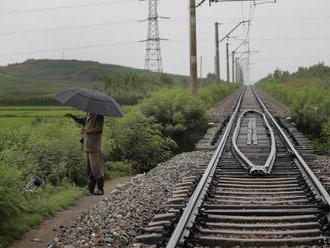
(307, 93)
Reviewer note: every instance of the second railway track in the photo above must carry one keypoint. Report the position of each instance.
(256, 191)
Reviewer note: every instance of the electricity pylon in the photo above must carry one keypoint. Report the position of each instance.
(153, 57)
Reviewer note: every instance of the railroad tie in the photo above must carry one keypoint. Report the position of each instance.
(252, 136)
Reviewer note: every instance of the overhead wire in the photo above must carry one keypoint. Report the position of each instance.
(3, 13)
(73, 48)
(41, 30)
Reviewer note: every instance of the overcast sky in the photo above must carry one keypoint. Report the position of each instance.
(288, 34)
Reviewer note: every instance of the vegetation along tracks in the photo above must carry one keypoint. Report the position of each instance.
(267, 197)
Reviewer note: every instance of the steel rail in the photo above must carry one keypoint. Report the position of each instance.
(189, 215)
(304, 166)
(255, 169)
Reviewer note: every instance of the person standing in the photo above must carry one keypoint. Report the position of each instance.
(91, 145)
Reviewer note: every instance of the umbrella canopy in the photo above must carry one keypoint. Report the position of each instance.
(90, 101)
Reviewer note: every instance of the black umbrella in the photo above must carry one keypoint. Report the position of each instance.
(90, 101)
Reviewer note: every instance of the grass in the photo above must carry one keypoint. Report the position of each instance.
(11, 122)
(309, 103)
(17, 116)
(42, 205)
(118, 169)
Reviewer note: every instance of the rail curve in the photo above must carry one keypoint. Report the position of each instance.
(286, 206)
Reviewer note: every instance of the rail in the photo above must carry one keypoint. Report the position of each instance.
(189, 214)
(304, 166)
(186, 222)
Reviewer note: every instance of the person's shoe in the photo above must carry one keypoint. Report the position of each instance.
(91, 185)
(100, 186)
(98, 192)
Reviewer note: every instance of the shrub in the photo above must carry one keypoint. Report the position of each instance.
(309, 101)
(11, 199)
(50, 150)
(118, 169)
(31, 207)
(212, 94)
(181, 116)
(140, 141)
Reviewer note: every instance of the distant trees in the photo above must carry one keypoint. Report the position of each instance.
(318, 71)
(130, 88)
(307, 93)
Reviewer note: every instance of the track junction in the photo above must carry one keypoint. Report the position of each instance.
(257, 190)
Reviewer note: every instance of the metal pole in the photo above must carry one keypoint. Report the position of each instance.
(217, 54)
(236, 70)
(193, 47)
(227, 55)
(233, 67)
(201, 67)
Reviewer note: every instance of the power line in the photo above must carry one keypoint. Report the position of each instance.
(63, 7)
(103, 24)
(72, 48)
(66, 28)
(287, 58)
(3, 13)
(266, 39)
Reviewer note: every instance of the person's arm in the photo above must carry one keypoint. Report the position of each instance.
(98, 126)
(78, 120)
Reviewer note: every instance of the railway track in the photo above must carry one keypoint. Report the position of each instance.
(256, 191)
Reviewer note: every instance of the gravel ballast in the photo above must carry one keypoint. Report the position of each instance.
(119, 217)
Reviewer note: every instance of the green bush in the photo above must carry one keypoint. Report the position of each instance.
(212, 94)
(132, 88)
(50, 150)
(118, 169)
(181, 116)
(140, 141)
(308, 99)
(31, 207)
(11, 200)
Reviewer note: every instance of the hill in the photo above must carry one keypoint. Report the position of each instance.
(37, 81)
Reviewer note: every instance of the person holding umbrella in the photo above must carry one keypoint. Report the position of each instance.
(97, 105)
(91, 144)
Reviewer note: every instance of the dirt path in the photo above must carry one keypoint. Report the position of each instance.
(47, 230)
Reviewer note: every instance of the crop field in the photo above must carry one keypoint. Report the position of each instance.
(16, 116)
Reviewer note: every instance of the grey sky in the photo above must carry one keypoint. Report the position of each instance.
(287, 34)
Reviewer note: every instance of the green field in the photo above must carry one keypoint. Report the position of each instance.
(12, 117)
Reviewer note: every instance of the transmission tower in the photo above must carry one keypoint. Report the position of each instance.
(153, 57)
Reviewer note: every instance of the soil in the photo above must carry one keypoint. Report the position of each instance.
(220, 110)
(41, 235)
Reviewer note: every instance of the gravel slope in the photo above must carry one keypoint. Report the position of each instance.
(117, 219)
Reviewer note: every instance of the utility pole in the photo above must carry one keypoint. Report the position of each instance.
(193, 47)
(233, 66)
(217, 54)
(201, 67)
(227, 55)
(236, 71)
(227, 46)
